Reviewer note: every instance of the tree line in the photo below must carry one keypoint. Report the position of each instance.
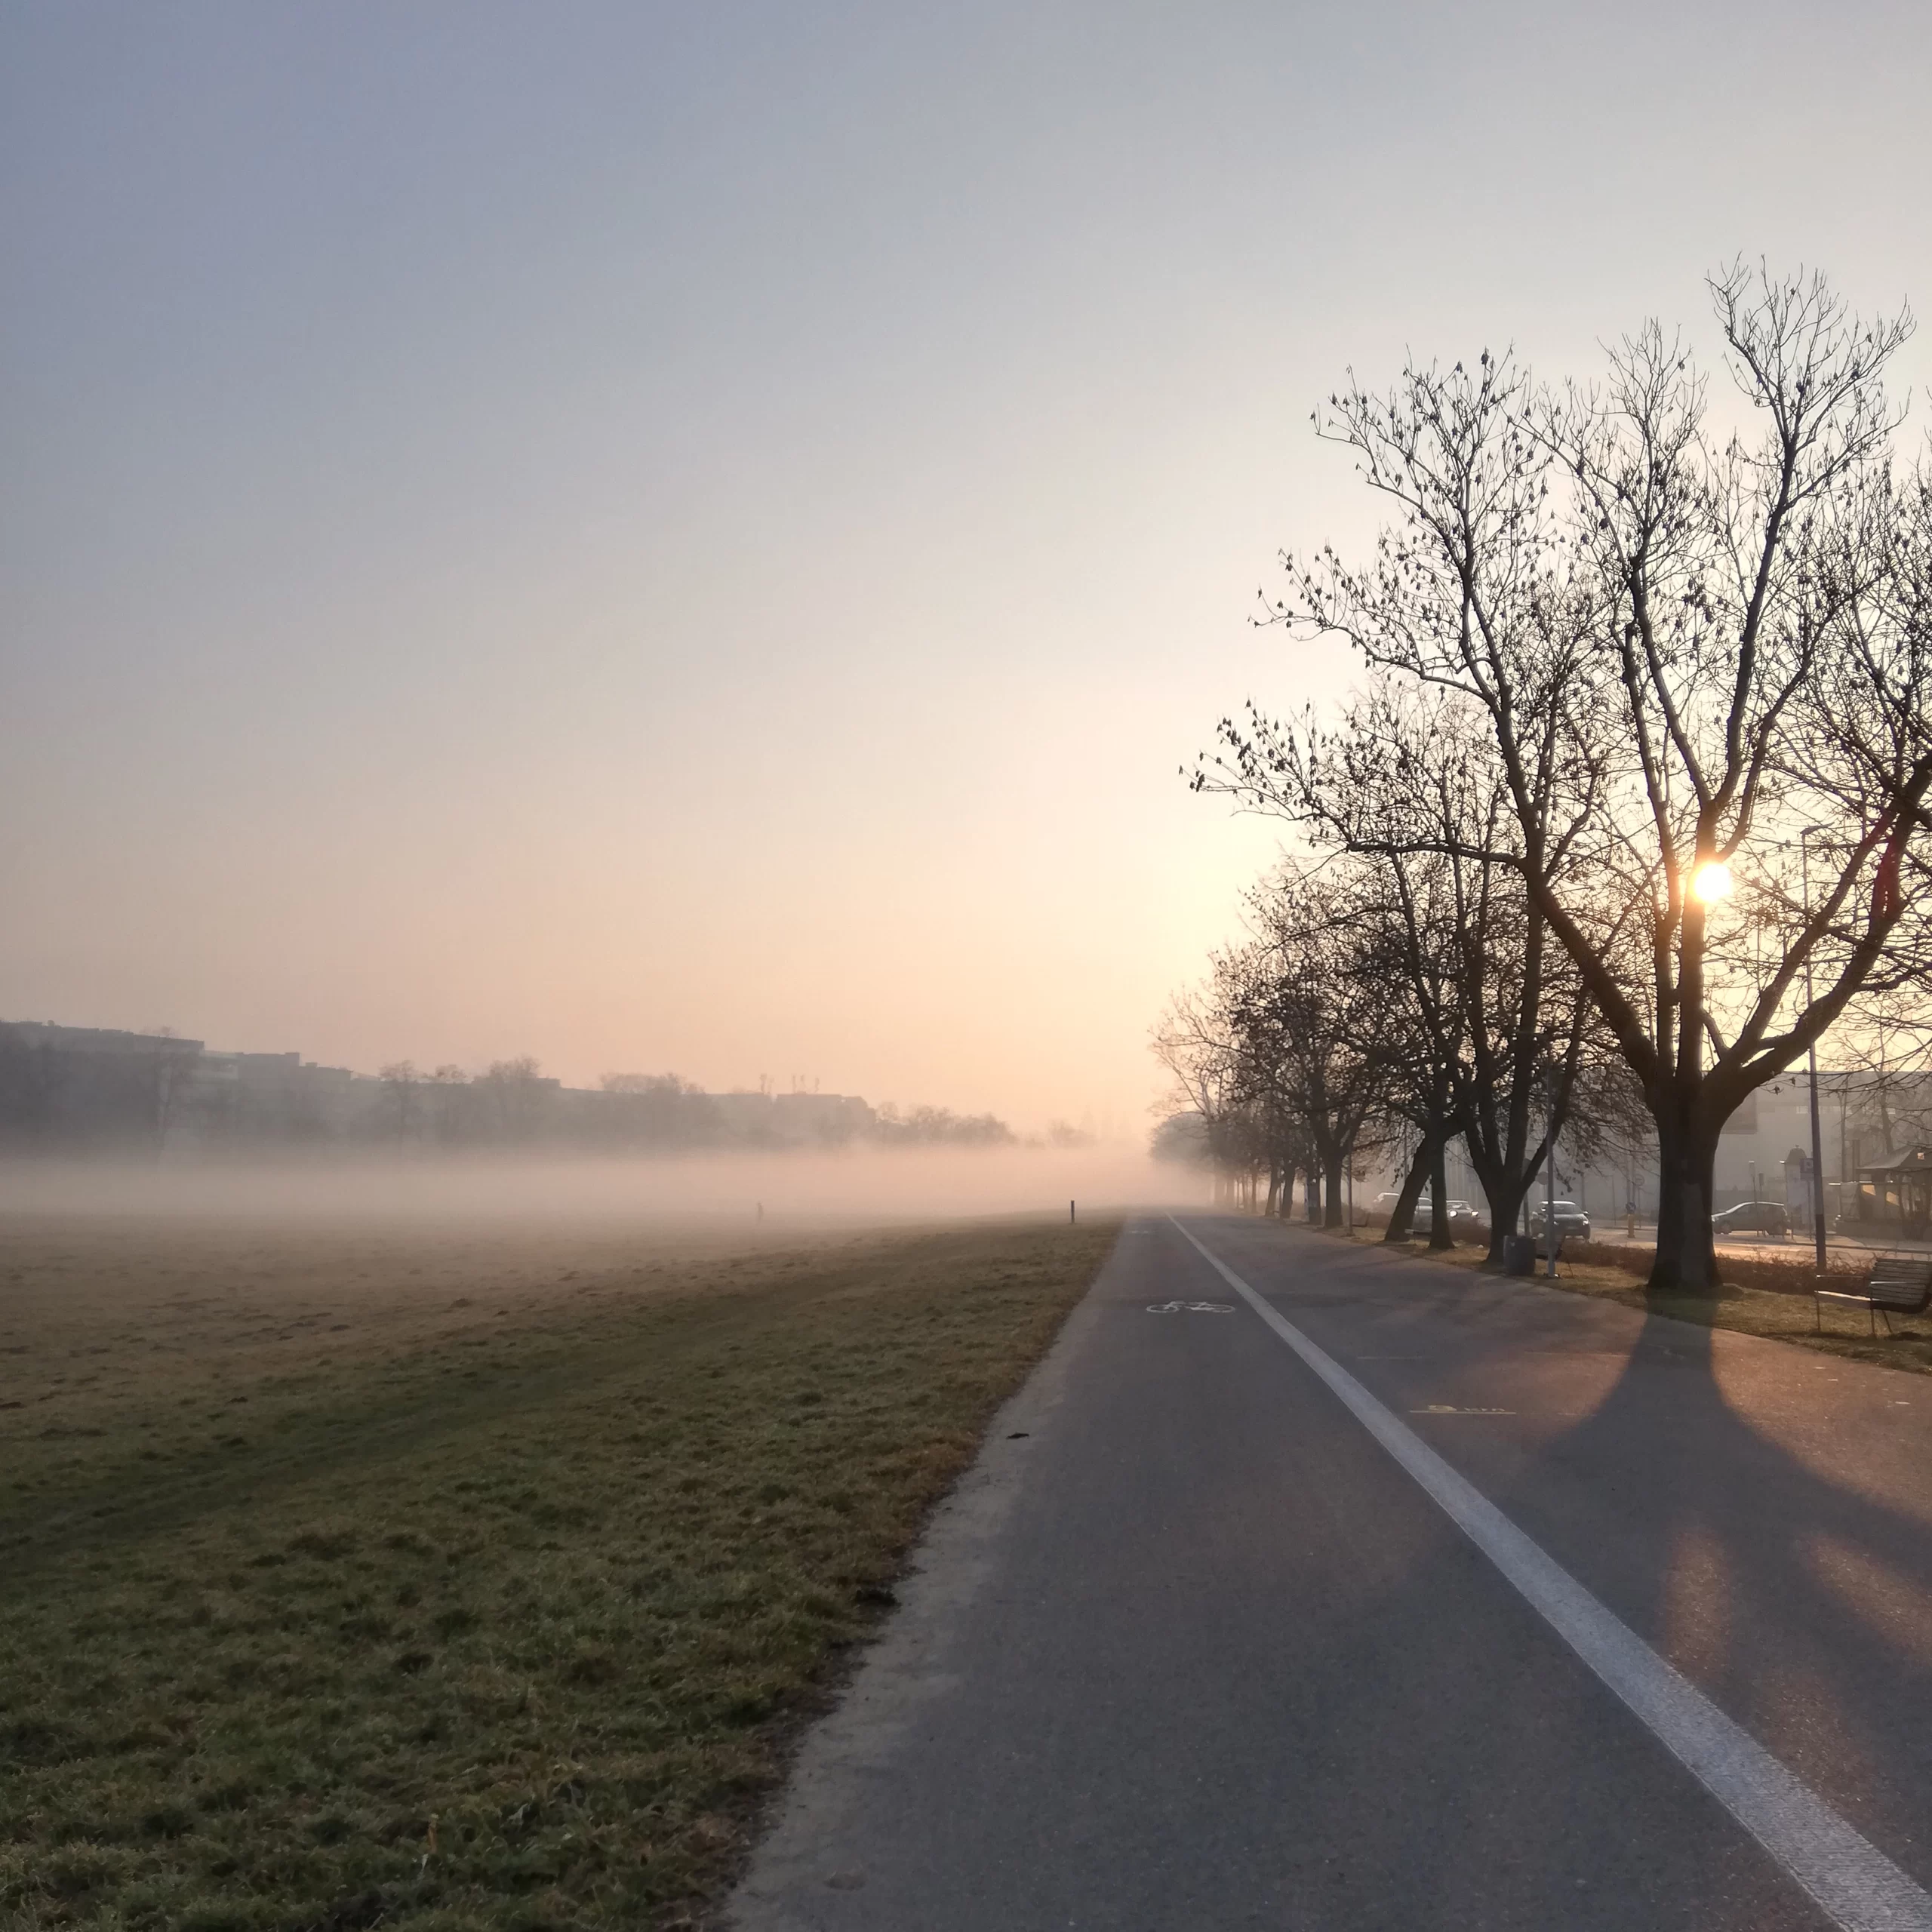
(1631, 806)
(511, 1103)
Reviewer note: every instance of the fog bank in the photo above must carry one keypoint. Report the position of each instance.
(763, 1191)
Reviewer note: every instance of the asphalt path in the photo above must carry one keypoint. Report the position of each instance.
(1191, 1646)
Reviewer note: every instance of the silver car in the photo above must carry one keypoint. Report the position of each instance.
(1572, 1223)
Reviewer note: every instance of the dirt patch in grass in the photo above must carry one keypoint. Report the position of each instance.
(1782, 1311)
(500, 1620)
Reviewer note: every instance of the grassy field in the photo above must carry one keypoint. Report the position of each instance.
(414, 1582)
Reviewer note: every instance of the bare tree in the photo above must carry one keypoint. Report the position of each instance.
(1194, 1043)
(1883, 1079)
(170, 1073)
(1499, 1023)
(451, 1103)
(1248, 1127)
(401, 1095)
(513, 1093)
(1312, 1022)
(1409, 948)
(1181, 1137)
(1705, 664)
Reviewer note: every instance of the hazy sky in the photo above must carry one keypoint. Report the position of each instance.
(696, 537)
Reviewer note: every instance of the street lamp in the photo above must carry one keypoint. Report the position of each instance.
(1549, 1163)
(1817, 1137)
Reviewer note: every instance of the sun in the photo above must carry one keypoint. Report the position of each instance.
(1712, 882)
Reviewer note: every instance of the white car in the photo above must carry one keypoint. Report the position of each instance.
(1461, 1215)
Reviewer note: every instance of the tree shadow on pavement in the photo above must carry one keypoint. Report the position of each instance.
(1772, 1539)
(1758, 1513)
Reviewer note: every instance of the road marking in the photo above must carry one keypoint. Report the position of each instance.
(1190, 1308)
(1851, 1881)
(1444, 1409)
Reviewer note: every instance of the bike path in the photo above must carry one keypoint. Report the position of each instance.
(1188, 1648)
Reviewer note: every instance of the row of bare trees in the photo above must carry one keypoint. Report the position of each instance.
(1633, 805)
(449, 1107)
(512, 1103)
(1382, 1003)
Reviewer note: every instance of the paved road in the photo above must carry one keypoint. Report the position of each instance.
(1191, 1648)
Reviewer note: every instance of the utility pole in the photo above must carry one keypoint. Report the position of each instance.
(1549, 1165)
(1817, 1137)
(1844, 1150)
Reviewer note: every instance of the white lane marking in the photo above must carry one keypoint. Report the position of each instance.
(1851, 1881)
(1190, 1308)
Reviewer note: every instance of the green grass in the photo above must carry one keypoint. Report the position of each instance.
(509, 1629)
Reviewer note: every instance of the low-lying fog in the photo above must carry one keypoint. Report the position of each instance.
(766, 1192)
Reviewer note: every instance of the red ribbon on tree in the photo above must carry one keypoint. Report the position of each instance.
(1888, 891)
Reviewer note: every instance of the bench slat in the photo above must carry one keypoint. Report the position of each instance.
(1900, 1271)
(1902, 1283)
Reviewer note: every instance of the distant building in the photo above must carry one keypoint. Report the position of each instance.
(1897, 1189)
(93, 1088)
(793, 1120)
(73, 1089)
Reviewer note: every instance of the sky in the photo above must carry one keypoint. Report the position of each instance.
(699, 538)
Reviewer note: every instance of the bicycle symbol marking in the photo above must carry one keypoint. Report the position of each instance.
(1190, 1308)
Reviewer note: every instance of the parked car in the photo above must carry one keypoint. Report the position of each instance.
(1463, 1217)
(1752, 1217)
(1572, 1223)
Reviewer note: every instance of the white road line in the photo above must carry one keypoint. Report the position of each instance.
(1856, 1885)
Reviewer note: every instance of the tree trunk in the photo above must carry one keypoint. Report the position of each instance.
(1313, 1191)
(1332, 1187)
(1505, 1204)
(1439, 1235)
(1403, 1211)
(1686, 1260)
(1286, 1206)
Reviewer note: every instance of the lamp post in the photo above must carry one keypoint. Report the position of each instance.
(1817, 1135)
(1549, 1164)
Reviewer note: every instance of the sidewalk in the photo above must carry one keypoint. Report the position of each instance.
(1873, 1237)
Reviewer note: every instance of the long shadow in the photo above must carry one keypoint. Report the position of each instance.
(1795, 1589)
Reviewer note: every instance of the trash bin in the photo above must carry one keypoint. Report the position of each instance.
(1519, 1254)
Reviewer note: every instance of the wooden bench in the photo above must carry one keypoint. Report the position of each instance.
(1898, 1284)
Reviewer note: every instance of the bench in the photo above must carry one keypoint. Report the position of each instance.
(1898, 1284)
